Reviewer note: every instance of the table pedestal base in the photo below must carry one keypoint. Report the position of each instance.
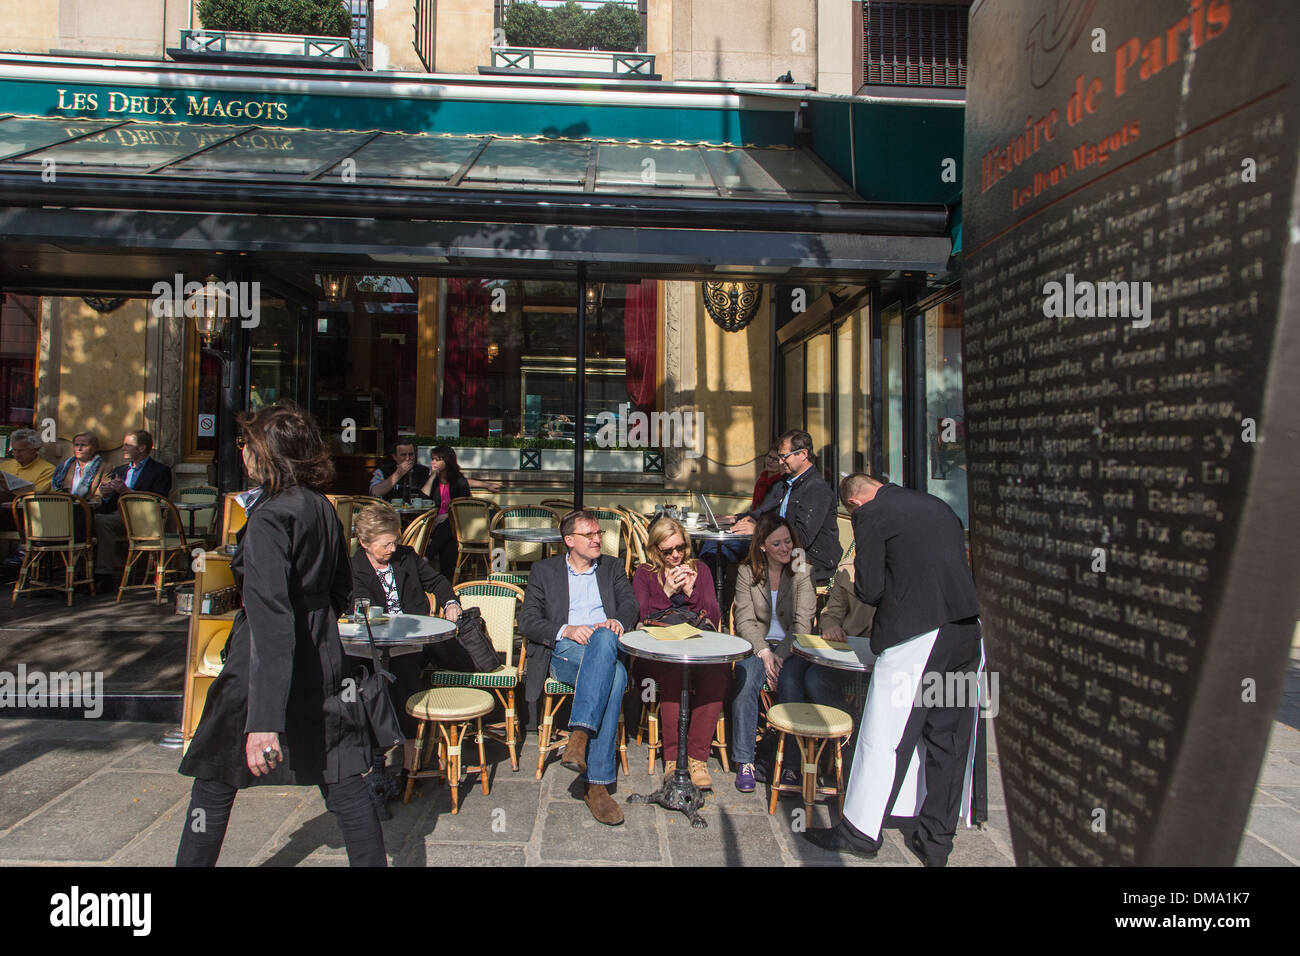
(677, 793)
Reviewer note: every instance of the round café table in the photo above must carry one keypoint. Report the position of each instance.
(408, 513)
(858, 659)
(709, 647)
(401, 634)
(529, 535)
(193, 507)
(707, 534)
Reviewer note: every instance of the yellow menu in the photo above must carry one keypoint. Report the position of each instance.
(818, 643)
(677, 632)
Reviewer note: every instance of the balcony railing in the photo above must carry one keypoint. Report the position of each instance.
(217, 42)
(573, 62)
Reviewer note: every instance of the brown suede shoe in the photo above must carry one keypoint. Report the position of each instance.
(670, 766)
(699, 773)
(575, 752)
(602, 805)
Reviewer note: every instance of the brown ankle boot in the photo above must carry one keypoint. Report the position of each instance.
(699, 773)
(575, 752)
(602, 805)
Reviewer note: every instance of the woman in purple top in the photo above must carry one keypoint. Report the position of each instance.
(673, 581)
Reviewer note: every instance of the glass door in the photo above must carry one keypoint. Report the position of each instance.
(891, 361)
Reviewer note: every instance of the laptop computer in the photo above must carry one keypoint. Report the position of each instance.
(710, 521)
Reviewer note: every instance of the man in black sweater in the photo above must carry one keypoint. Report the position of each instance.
(918, 722)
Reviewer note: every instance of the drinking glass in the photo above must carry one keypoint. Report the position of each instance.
(360, 610)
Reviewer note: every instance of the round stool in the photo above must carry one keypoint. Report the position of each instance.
(812, 726)
(445, 713)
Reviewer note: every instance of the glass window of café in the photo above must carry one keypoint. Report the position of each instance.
(826, 386)
(509, 360)
(19, 330)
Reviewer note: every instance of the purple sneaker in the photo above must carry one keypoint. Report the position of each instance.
(745, 778)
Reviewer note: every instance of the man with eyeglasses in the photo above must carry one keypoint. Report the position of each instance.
(576, 607)
(805, 500)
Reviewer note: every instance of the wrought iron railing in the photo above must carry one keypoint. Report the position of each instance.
(914, 44)
(639, 6)
(573, 61)
(235, 41)
(425, 15)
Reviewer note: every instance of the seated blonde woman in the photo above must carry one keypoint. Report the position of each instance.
(395, 578)
(773, 602)
(672, 588)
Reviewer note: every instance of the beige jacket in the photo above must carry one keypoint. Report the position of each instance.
(796, 603)
(843, 607)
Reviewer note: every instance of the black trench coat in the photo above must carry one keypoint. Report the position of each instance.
(284, 658)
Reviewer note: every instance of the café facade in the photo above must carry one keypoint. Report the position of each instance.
(676, 271)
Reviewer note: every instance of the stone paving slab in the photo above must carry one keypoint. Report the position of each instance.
(95, 792)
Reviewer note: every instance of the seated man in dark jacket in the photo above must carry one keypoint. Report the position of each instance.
(806, 501)
(575, 608)
(140, 472)
(396, 579)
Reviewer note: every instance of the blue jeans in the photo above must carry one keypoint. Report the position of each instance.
(598, 679)
(802, 681)
(749, 676)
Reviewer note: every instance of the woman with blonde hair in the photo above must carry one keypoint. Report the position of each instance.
(773, 603)
(674, 588)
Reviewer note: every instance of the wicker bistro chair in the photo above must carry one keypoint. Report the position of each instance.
(615, 535)
(499, 604)
(205, 519)
(564, 505)
(638, 540)
(46, 520)
(360, 501)
(146, 518)
(470, 519)
(522, 516)
(554, 694)
(812, 726)
(345, 507)
(418, 532)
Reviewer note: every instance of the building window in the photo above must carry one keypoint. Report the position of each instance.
(363, 29)
(509, 361)
(914, 44)
(945, 420)
(19, 327)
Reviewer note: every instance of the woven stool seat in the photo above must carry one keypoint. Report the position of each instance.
(450, 703)
(810, 720)
(554, 686)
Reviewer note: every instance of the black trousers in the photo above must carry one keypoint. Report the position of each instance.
(946, 731)
(349, 801)
(442, 549)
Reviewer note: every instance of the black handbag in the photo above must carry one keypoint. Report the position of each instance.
(472, 635)
(376, 701)
(678, 614)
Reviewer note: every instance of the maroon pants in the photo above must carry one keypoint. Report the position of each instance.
(708, 688)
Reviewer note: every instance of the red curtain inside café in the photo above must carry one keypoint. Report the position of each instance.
(482, 348)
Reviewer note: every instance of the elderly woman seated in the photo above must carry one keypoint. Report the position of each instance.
(395, 579)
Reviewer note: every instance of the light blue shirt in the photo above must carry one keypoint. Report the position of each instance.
(585, 605)
(133, 471)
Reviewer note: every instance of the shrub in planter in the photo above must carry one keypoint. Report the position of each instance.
(317, 17)
(570, 27)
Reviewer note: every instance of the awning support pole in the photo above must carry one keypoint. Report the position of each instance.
(580, 429)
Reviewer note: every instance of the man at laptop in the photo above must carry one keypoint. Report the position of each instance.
(805, 500)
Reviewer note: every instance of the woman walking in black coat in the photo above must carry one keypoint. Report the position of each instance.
(268, 718)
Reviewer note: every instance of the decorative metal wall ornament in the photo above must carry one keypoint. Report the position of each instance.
(104, 305)
(732, 305)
